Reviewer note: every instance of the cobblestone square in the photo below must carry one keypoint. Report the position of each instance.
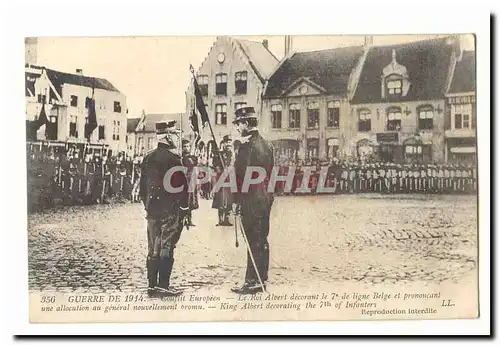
(368, 238)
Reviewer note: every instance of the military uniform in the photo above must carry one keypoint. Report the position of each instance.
(190, 161)
(254, 204)
(165, 209)
(223, 199)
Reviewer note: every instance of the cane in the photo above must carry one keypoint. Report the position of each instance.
(236, 230)
(251, 255)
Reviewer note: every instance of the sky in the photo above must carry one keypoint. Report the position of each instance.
(153, 72)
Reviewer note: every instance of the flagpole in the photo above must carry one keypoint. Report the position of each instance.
(224, 167)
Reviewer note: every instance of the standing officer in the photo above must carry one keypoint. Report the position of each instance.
(256, 202)
(223, 197)
(190, 161)
(165, 209)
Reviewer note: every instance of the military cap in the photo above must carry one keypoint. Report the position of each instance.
(244, 113)
(226, 138)
(185, 141)
(166, 127)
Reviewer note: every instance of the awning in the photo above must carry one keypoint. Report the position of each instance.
(470, 149)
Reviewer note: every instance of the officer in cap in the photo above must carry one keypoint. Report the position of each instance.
(255, 203)
(165, 208)
(223, 198)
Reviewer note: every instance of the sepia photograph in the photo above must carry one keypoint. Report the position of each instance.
(245, 178)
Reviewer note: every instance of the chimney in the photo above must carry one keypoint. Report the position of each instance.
(288, 45)
(368, 41)
(79, 71)
(30, 50)
(265, 43)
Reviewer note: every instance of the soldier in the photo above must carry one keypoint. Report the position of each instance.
(190, 161)
(368, 175)
(255, 203)
(352, 177)
(453, 178)
(165, 209)
(440, 175)
(423, 179)
(344, 177)
(223, 197)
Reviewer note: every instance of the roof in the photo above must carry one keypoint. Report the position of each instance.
(464, 76)
(328, 68)
(58, 78)
(150, 120)
(132, 124)
(427, 63)
(261, 59)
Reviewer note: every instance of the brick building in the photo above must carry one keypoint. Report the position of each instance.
(232, 75)
(306, 102)
(399, 102)
(460, 118)
(65, 97)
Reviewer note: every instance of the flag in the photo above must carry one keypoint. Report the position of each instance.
(200, 104)
(92, 118)
(193, 119)
(42, 118)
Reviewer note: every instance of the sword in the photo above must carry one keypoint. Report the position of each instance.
(250, 252)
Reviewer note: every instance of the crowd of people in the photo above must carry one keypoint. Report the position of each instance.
(74, 177)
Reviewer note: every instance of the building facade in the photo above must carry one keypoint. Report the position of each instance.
(141, 131)
(399, 104)
(65, 97)
(306, 108)
(460, 119)
(232, 76)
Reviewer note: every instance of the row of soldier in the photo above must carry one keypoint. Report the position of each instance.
(99, 178)
(389, 178)
(75, 178)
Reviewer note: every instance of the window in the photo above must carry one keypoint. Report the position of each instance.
(426, 118)
(140, 144)
(73, 132)
(413, 149)
(101, 132)
(203, 84)
(294, 116)
(364, 120)
(394, 119)
(116, 130)
(117, 108)
(150, 143)
(74, 101)
(463, 115)
(221, 84)
(220, 114)
(333, 114)
(332, 148)
(239, 105)
(240, 82)
(394, 87)
(41, 98)
(313, 115)
(276, 111)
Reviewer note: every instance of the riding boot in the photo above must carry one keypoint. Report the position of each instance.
(264, 266)
(221, 217)
(165, 271)
(152, 272)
